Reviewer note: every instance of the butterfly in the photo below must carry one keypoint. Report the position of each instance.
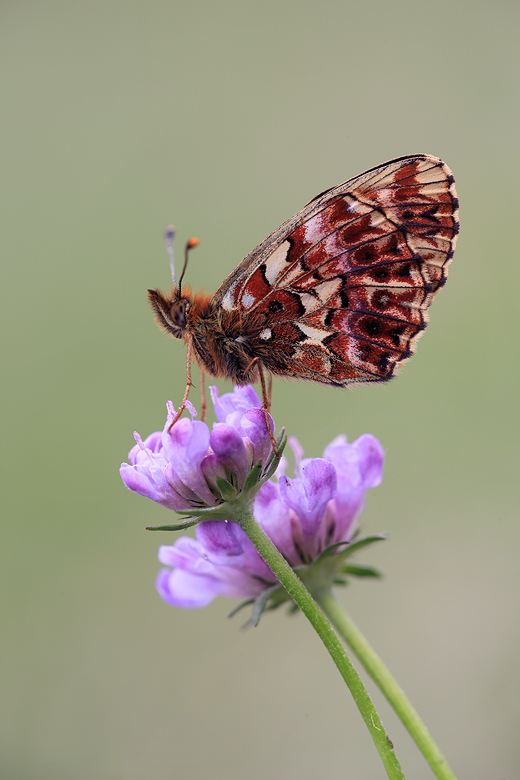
(338, 294)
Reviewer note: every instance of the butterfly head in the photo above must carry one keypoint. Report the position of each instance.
(171, 311)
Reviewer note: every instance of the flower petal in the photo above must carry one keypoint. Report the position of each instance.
(253, 426)
(309, 495)
(274, 515)
(221, 562)
(182, 589)
(229, 448)
(185, 446)
(240, 400)
(138, 482)
(226, 545)
(371, 460)
(359, 466)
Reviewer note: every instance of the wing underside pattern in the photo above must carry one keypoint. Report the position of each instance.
(341, 290)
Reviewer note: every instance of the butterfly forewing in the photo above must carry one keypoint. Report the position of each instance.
(339, 293)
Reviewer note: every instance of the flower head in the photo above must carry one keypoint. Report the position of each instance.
(181, 468)
(311, 517)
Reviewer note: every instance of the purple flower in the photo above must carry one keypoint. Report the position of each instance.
(181, 468)
(221, 473)
(220, 562)
(302, 516)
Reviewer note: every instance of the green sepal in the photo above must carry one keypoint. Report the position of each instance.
(253, 477)
(350, 547)
(259, 607)
(220, 512)
(227, 491)
(366, 541)
(199, 512)
(329, 569)
(360, 570)
(269, 599)
(188, 523)
(240, 607)
(274, 460)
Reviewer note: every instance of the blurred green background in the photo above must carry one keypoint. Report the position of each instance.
(226, 118)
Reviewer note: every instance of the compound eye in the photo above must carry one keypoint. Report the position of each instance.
(178, 314)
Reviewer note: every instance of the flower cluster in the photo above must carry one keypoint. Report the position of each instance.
(304, 517)
(181, 468)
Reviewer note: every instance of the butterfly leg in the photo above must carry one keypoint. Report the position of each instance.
(266, 405)
(266, 400)
(203, 405)
(188, 385)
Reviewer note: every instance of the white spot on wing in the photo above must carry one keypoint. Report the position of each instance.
(275, 263)
(314, 335)
(327, 289)
(229, 300)
(314, 228)
(248, 300)
(377, 219)
(386, 196)
(356, 206)
(309, 302)
(266, 334)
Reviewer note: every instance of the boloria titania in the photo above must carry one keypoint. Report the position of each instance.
(339, 293)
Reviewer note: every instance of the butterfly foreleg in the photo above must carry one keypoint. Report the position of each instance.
(188, 384)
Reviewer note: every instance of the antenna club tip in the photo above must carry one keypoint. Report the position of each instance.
(193, 242)
(169, 233)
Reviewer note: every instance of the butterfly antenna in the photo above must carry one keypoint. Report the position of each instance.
(168, 240)
(192, 243)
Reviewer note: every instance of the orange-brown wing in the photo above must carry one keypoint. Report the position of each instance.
(340, 292)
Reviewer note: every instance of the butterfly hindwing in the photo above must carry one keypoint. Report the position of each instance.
(339, 293)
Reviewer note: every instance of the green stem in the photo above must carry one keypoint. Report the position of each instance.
(389, 687)
(308, 606)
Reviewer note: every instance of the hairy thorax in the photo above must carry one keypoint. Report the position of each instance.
(222, 342)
